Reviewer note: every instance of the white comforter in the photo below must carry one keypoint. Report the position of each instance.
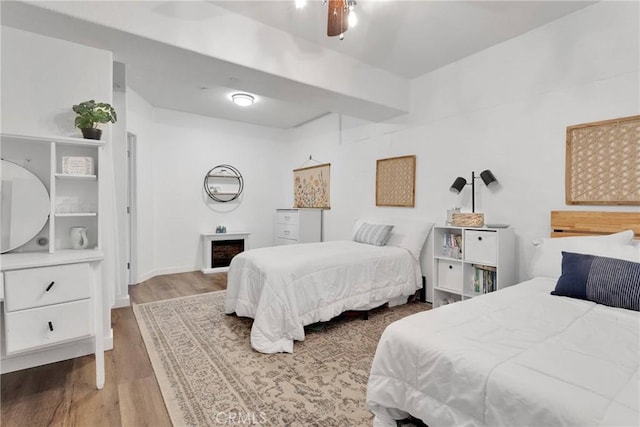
(517, 357)
(284, 288)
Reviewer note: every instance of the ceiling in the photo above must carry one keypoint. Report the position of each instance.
(298, 73)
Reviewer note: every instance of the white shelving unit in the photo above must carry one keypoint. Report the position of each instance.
(53, 303)
(469, 262)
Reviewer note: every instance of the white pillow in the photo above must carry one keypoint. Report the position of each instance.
(410, 234)
(373, 234)
(547, 258)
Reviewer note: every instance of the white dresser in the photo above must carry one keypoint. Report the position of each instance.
(52, 309)
(298, 226)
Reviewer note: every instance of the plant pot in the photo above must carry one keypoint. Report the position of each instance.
(91, 133)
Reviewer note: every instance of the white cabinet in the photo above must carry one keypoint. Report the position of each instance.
(298, 226)
(70, 170)
(53, 309)
(53, 299)
(468, 262)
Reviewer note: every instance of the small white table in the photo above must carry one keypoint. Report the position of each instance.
(207, 238)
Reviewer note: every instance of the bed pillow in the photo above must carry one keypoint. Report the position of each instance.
(407, 233)
(547, 257)
(609, 281)
(410, 234)
(373, 234)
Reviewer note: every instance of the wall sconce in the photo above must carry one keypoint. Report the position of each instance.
(457, 186)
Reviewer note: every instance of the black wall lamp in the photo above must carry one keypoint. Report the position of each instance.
(457, 186)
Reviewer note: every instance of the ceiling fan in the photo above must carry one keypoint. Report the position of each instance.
(341, 15)
(338, 19)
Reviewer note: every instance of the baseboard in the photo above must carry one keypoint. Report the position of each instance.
(215, 270)
(122, 301)
(169, 270)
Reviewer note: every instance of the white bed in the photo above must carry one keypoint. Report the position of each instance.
(517, 357)
(284, 288)
(522, 356)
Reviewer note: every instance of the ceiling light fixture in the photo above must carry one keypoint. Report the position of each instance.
(243, 99)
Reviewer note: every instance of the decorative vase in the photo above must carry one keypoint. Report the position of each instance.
(78, 236)
(91, 133)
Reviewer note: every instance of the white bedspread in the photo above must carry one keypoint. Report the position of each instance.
(284, 288)
(517, 357)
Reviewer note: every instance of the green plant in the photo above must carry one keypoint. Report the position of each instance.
(91, 113)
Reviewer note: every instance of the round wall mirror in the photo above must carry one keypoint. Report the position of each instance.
(25, 206)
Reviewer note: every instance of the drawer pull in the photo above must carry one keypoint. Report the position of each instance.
(287, 218)
(451, 267)
(51, 326)
(480, 238)
(50, 286)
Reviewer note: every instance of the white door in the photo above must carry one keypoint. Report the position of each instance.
(131, 209)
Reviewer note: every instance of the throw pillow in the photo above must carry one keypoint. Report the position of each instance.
(373, 234)
(610, 281)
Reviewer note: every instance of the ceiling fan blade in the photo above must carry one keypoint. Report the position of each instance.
(337, 21)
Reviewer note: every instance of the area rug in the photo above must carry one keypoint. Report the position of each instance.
(209, 374)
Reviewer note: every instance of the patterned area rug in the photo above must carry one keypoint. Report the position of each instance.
(209, 375)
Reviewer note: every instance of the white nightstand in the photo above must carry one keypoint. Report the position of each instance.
(468, 262)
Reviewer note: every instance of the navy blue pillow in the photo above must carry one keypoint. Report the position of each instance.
(609, 281)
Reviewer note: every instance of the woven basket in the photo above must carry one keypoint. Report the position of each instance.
(467, 219)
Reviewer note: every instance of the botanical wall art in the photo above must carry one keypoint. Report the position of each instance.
(311, 187)
(395, 181)
(603, 163)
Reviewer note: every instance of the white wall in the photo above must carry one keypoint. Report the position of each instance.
(178, 149)
(43, 77)
(504, 109)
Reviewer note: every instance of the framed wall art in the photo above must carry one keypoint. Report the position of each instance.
(311, 187)
(395, 181)
(603, 163)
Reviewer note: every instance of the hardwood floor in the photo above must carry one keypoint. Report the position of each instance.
(64, 393)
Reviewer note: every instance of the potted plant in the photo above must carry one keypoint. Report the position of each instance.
(90, 114)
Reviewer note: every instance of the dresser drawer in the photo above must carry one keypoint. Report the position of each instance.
(450, 275)
(28, 329)
(28, 288)
(480, 246)
(282, 241)
(287, 231)
(287, 216)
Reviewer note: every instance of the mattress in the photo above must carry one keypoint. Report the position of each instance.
(516, 357)
(284, 288)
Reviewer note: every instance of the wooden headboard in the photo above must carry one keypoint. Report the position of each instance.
(589, 223)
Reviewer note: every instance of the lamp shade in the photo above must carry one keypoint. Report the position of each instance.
(487, 177)
(458, 184)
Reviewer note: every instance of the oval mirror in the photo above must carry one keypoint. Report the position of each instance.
(24, 208)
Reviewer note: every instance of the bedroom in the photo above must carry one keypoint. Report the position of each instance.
(504, 108)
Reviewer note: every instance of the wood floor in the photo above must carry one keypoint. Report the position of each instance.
(64, 393)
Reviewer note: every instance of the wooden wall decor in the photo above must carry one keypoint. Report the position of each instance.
(603, 163)
(395, 181)
(311, 187)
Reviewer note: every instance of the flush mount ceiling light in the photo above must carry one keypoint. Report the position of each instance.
(242, 99)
